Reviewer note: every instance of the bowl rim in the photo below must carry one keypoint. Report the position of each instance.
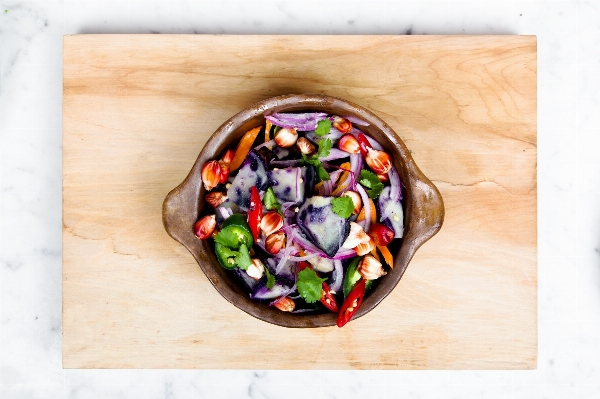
(423, 205)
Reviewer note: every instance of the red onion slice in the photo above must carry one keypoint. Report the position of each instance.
(356, 121)
(270, 144)
(302, 258)
(371, 140)
(284, 294)
(356, 164)
(303, 122)
(308, 246)
(286, 253)
(395, 185)
(334, 153)
(337, 276)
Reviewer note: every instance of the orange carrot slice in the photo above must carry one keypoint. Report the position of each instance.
(373, 212)
(387, 255)
(267, 130)
(361, 215)
(375, 254)
(243, 148)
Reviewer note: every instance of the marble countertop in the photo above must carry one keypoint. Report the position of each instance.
(568, 36)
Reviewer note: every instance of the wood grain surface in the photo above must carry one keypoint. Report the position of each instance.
(137, 109)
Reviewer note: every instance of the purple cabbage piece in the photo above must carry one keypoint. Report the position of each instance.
(303, 122)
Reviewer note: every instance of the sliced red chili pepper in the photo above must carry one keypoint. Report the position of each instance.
(363, 144)
(303, 265)
(352, 303)
(327, 298)
(255, 213)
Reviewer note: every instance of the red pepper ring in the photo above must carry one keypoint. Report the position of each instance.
(348, 307)
(363, 145)
(327, 298)
(255, 213)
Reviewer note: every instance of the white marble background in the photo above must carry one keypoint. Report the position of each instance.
(30, 193)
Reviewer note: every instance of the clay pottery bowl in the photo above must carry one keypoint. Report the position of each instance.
(422, 203)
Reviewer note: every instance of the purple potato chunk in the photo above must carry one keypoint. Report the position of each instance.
(325, 228)
(251, 173)
(291, 184)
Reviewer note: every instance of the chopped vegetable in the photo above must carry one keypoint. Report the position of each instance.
(267, 130)
(270, 279)
(255, 213)
(363, 144)
(310, 286)
(304, 122)
(295, 215)
(371, 182)
(244, 148)
(351, 304)
(343, 206)
(387, 255)
(323, 127)
(270, 201)
(327, 297)
(324, 148)
(242, 259)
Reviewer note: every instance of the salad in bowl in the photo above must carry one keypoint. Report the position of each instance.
(304, 210)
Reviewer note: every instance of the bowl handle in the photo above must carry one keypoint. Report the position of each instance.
(427, 219)
(180, 209)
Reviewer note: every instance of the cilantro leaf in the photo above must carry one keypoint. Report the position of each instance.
(321, 172)
(242, 259)
(323, 127)
(324, 147)
(343, 206)
(270, 200)
(227, 238)
(371, 182)
(310, 286)
(270, 278)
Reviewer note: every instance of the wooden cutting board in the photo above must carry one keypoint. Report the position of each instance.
(139, 108)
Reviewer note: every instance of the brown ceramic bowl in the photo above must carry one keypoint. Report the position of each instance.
(422, 203)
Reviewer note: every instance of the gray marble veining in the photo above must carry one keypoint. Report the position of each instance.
(568, 191)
